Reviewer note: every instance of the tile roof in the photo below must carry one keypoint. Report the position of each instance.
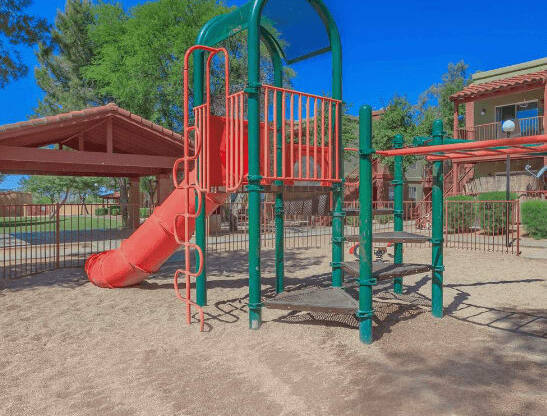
(475, 90)
(86, 113)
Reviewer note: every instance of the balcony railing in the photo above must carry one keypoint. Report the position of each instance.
(530, 126)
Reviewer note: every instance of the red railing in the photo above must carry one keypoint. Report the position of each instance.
(306, 128)
(530, 126)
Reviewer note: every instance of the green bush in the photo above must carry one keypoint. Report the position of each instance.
(145, 212)
(534, 218)
(493, 215)
(384, 219)
(459, 217)
(114, 209)
(101, 211)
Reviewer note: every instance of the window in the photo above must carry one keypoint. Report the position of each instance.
(412, 193)
(524, 114)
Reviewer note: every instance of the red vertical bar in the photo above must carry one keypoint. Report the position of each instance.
(283, 133)
(300, 135)
(336, 146)
(315, 161)
(308, 164)
(292, 136)
(266, 170)
(274, 149)
(323, 165)
(241, 131)
(517, 206)
(329, 173)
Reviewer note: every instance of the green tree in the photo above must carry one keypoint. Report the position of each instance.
(17, 28)
(435, 101)
(398, 118)
(59, 73)
(149, 185)
(139, 55)
(52, 189)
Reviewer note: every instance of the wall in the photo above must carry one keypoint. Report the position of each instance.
(12, 198)
(490, 104)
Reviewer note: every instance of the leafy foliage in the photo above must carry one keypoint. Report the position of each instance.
(139, 55)
(397, 119)
(17, 28)
(435, 101)
(459, 217)
(495, 217)
(534, 218)
(58, 189)
(60, 63)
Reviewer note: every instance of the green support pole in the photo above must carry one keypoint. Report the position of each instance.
(437, 227)
(201, 280)
(366, 281)
(279, 206)
(254, 187)
(398, 210)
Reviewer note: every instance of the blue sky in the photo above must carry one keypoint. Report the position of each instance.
(395, 47)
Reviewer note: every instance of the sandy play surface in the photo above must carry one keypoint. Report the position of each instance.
(69, 348)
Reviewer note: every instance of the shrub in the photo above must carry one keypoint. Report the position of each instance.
(101, 211)
(493, 215)
(145, 212)
(534, 218)
(459, 217)
(384, 219)
(114, 209)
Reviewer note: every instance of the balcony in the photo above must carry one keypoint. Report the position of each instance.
(530, 126)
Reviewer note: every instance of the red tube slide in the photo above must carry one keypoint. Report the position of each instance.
(149, 246)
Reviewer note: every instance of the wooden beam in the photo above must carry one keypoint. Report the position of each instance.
(81, 145)
(109, 136)
(27, 160)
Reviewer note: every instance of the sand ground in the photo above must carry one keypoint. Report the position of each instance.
(69, 348)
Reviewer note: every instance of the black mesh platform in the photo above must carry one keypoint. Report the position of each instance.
(354, 212)
(314, 299)
(384, 271)
(394, 237)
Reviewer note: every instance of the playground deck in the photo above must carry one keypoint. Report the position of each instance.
(64, 352)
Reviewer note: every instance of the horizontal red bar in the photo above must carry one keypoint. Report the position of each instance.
(472, 145)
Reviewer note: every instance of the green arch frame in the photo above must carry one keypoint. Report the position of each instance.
(248, 17)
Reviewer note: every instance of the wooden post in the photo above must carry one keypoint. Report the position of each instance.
(57, 235)
(455, 178)
(109, 137)
(470, 119)
(545, 109)
(134, 203)
(81, 142)
(456, 133)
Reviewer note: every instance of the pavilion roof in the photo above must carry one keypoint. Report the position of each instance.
(132, 134)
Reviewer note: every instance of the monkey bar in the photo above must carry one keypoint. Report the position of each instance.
(462, 150)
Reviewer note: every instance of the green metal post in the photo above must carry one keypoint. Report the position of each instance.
(398, 183)
(338, 188)
(279, 206)
(366, 281)
(254, 187)
(201, 280)
(437, 227)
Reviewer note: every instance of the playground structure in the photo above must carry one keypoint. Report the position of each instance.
(281, 141)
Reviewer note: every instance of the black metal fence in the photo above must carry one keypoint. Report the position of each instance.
(37, 238)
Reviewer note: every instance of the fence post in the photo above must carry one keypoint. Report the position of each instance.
(437, 227)
(366, 281)
(57, 235)
(398, 196)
